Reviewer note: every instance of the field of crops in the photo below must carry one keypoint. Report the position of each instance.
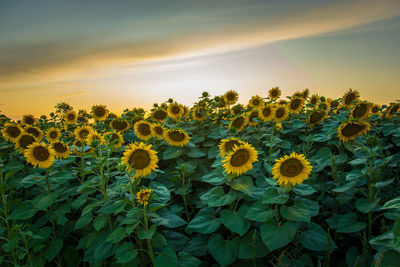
(297, 181)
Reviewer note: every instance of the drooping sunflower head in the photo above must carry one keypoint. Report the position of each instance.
(35, 131)
(143, 130)
(141, 158)
(282, 102)
(199, 113)
(316, 116)
(99, 112)
(237, 109)
(94, 138)
(239, 122)
(82, 132)
(176, 137)
(305, 93)
(324, 105)
(274, 93)
(334, 103)
(143, 196)
(114, 138)
(231, 97)
(281, 113)
(297, 94)
(186, 111)
(392, 110)
(39, 155)
(295, 104)
(28, 120)
(350, 96)
(256, 102)
(23, 141)
(120, 125)
(240, 159)
(267, 112)
(53, 135)
(227, 145)
(349, 130)
(253, 115)
(11, 131)
(159, 114)
(175, 110)
(376, 110)
(70, 117)
(158, 131)
(61, 150)
(291, 170)
(314, 100)
(360, 110)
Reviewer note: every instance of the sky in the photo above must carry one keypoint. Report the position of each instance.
(126, 54)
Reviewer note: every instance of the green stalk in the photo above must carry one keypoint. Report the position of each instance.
(184, 196)
(82, 164)
(146, 224)
(370, 190)
(27, 249)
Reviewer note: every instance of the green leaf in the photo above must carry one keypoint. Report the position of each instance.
(125, 253)
(348, 223)
(364, 206)
(194, 152)
(392, 204)
(61, 176)
(83, 221)
(302, 210)
(117, 235)
(99, 223)
(171, 153)
(273, 195)
(188, 260)
(215, 177)
(252, 243)
(244, 184)
(304, 189)
(260, 212)
(234, 221)
(42, 202)
(169, 219)
(167, 258)
(217, 197)
(204, 222)
(102, 251)
(147, 234)
(197, 246)
(53, 249)
(113, 206)
(159, 192)
(316, 239)
(23, 211)
(31, 180)
(278, 236)
(223, 251)
(13, 166)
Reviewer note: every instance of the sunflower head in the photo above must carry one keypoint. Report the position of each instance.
(23, 141)
(334, 103)
(141, 158)
(267, 112)
(256, 102)
(61, 150)
(274, 93)
(159, 114)
(314, 100)
(240, 159)
(114, 138)
(11, 131)
(82, 132)
(199, 113)
(291, 170)
(376, 109)
(94, 138)
(35, 131)
(176, 137)
(231, 97)
(349, 130)
(360, 110)
(143, 196)
(350, 96)
(143, 130)
(392, 110)
(295, 104)
(281, 113)
(227, 145)
(70, 117)
(28, 120)
(99, 112)
(255, 114)
(39, 155)
(120, 125)
(316, 116)
(175, 110)
(305, 93)
(237, 109)
(239, 122)
(53, 135)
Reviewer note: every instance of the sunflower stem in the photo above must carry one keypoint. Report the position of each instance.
(47, 182)
(370, 190)
(146, 224)
(82, 164)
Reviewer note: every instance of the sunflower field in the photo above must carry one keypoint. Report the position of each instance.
(301, 181)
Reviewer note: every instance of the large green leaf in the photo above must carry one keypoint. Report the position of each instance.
(302, 210)
(348, 223)
(244, 184)
(260, 212)
(204, 222)
(23, 211)
(217, 197)
(42, 202)
(125, 253)
(277, 236)
(167, 258)
(223, 251)
(273, 195)
(171, 152)
(363, 205)
(315, 238)
(234, 221)
(113, 206)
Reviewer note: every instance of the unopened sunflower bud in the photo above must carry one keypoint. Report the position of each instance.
(372, 141)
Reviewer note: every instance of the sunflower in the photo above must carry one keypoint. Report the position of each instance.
(115, 138)
(316, 116)
(143, 130)
(35, 131)
(239, 122)
(291, 170)
(120, 125)
(11, 132)
(28, 120)
(94, 136)
(23, 141)
(53, 135)
(281, 113)
(159, 115)
(360, 110)
(70, 117)
(334, 104)
(256, 102)
(135, 120)
(99, 112)
(175, 110)
(240, 159)
(349, 130)
(143, 196)
(61, 150)
(255, 114)
(237, 109)
(376, 110)
(141, 158)
(185, 111)
(295, 105)
(199, 113)
(38, 154)
(274, 93)
(221, 103)
(267, 112)
(350, 96)
(158, 131)
(231, 97)
(82, 132)
(297, 94)
(392, 110)
(314, 100)
(324, 105)
(227, 145)
(305, 93)
(176, 137)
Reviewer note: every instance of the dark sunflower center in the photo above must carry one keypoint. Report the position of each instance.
(33, 131)
(316, 116)
(240, 158)
(323, 106)
(60, 147)
(114, 136)
(78, 143)
(266, 111)
(274, 93)
(230, 96)
(230, 145)
(349, 98)
(314, 100)
(29, 120)
(83, 133)
(175, 110)
(53, 134)
(295, 104)
(41, 153)
(280, 112)
(26, 140)
(119, 124)
(99, 111)
(236, 110)
(139, 159)
(144, 129)
(238, 122)
(253, 116)
(334, 104)
(71, 117)
(352, 129)
(375, 109)
(158, 130)
(394, 109)
(360, 111)
(256, 102)
(160, 114)
(176, 135)
(291, 167)
(13, 131)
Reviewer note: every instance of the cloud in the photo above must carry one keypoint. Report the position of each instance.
(74, 58)
(74, 94)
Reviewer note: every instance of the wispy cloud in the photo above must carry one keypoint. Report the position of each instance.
(74, 94)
